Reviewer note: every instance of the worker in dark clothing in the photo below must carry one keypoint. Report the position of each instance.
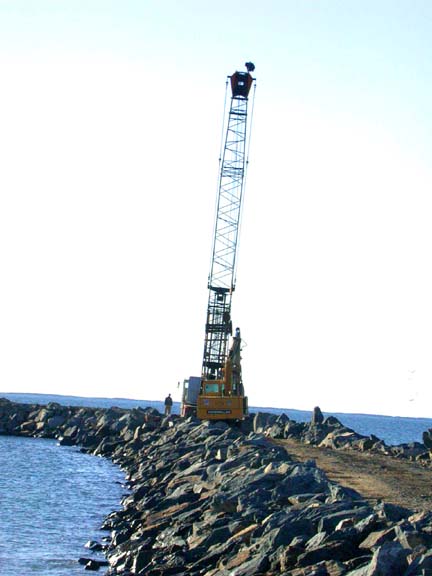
(168, 405)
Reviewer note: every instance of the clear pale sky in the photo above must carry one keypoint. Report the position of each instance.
(111, 119)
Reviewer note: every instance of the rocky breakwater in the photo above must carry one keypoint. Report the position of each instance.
(209, 499)
(329, 432)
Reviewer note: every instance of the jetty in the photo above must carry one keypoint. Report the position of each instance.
(212, 499)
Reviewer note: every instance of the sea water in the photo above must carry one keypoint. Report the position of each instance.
(54, 498)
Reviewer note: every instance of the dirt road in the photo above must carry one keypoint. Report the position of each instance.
(374, 476)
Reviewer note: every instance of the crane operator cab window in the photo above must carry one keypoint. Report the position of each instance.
(211, 388)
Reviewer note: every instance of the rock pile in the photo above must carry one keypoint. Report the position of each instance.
(331, 433)
(212, 500)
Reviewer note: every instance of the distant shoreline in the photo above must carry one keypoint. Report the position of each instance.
(251, 408)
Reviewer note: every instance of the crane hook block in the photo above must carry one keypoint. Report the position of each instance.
(241, 83)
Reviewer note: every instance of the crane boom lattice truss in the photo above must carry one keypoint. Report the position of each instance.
(230, 191)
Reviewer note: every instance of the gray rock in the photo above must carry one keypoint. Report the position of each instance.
(317, 416)
(390, 558)
(256, 565)
(329, 522)
(377, 538)
(56, 421)
(330, 550)
(427, 438)
(421, 565)
(263, 420)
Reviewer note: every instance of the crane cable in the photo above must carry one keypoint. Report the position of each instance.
(244, 179)
(221, 152)
(222, 143)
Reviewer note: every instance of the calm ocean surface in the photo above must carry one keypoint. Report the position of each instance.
(53, 498)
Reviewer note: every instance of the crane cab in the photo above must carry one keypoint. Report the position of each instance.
(220, 398)
(241, 83)
(223, 398)
(216, 403)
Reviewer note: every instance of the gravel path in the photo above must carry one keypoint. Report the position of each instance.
(374, 476)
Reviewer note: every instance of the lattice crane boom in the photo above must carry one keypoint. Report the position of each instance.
(225, 242)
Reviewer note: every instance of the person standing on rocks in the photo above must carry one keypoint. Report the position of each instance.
(168, 405)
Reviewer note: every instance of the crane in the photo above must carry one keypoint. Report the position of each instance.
(219, 393)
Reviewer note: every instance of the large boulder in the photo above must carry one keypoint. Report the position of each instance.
(317, 416)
